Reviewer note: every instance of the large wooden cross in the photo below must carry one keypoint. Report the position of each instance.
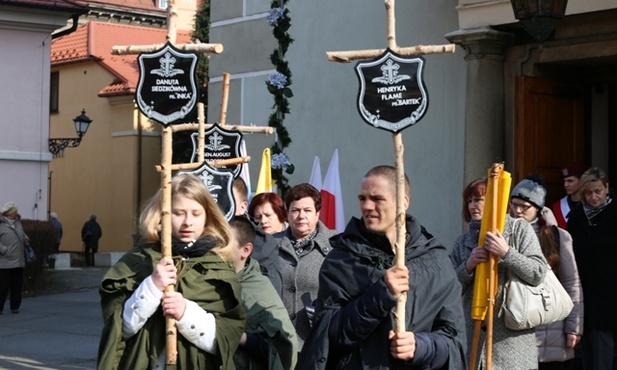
(167, 166)
(200, 126)
(348, 56)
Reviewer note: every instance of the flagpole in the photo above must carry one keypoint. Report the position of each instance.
(494, 179)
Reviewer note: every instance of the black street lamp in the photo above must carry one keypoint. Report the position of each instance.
(539, 17)
(57, 146)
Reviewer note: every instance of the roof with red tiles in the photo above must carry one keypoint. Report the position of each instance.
(151, 5)
(60, 5)
(94, 40)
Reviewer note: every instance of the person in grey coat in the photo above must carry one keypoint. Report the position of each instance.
(12, 260)
(519, 251)
(303, 248)
(57, 225)
(555, 341)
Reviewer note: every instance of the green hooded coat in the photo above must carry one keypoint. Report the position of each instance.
(266, 316)
(207, 280)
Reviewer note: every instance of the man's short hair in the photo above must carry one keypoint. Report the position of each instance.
(240, 187)
(243, 230)
(300, 191)
(389, 172)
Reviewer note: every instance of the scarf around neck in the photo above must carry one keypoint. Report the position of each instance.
(474, 226)
(592, 212)
(195, 248)
(300, 245)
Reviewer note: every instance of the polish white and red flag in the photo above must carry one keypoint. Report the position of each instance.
(244, 172)
(332, 213)
(315, 178)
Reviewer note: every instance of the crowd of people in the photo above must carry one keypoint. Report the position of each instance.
(274, 288)
(576, 240)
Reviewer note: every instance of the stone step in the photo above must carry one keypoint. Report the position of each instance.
(68, 260)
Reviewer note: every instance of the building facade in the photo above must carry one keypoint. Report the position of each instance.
(25, 40)
(112, 172)
(500, 97)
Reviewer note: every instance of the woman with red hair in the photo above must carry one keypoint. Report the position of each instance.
(269, 211)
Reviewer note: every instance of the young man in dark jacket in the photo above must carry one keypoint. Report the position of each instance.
(359, 285)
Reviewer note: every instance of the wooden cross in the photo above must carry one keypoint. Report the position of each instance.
(201, 127)
(167, 166)
(348, 56)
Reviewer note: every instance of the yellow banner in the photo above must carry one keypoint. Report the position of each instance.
(481, 284)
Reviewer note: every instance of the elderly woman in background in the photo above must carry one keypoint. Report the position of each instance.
(303, 248)
(269, 211)
(593, 226)
(518, 251)
(555, 341)
(12, 260)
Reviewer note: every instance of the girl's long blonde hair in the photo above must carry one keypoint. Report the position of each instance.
(193, 188)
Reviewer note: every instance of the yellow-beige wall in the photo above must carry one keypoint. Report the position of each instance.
(105, 175)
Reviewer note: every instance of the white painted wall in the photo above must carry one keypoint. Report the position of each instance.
(323, 110)
(24, 122)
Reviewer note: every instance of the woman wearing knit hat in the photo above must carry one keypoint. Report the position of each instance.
(593, 225)
(12, 260)
(555, 341)
(519, 251)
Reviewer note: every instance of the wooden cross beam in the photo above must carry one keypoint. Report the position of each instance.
(137, 49)
(167, 166)
(348, 56)
(201, 127)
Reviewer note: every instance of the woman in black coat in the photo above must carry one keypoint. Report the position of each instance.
(593, 226)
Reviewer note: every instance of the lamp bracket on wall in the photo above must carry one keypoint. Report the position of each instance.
(57, 146)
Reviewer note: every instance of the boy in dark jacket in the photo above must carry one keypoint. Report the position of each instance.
(360, 283)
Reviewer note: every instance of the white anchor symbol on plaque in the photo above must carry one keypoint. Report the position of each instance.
(167, 67)
(390, 74)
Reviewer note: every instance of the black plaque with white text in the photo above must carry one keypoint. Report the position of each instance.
(219, 183)
(220, 144)
(167, 87)
(392, 94)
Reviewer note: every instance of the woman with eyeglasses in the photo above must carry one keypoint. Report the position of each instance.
(593, 226)
(518, 251)
(556, 341)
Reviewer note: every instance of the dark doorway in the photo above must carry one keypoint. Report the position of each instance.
(549, 130)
